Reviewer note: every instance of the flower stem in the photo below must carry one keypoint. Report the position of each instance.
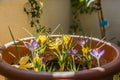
(44, 67)
(98, 62)
(62, 65)
(74, 67)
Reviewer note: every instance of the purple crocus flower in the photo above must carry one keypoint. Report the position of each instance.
(43, 60)
(72, 51)
(31, 45)
(97, 53)
(82, 42)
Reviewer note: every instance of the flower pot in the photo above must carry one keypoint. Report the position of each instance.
(104, 72)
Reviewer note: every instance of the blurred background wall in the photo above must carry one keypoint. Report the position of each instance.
(111, 12)
(56, 12)
(11, 14)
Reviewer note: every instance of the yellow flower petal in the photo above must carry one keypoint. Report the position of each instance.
(24, 60)
(85, 50)
(55, 44)
(42, 39)
(22, 66)
(66, 38)
(29, 65)
(36, 60)
(36, 69)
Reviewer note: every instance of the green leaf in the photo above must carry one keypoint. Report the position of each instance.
(14, 42)
(56, 54)
(11, 54)
(42, 49)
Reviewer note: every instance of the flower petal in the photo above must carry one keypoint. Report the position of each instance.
(102, 52)
(43, 60)
(29, 65)
(27, 45)
(24, 60)
(74, 51)
(94, 53)
(97, 53)
(66, 38)
(34, 44)
(42, 39)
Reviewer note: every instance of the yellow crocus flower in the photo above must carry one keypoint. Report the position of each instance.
(55, 44)
(23, 63)
(36, 60)
(85, 50)
(36, 69)
(42, 39)
(66, 38)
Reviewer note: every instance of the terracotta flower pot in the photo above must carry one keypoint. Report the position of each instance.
(105, 72)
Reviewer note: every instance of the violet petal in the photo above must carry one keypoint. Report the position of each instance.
(34, 44)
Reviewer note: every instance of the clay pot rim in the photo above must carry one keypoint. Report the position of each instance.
(77, 36)
(98, 71)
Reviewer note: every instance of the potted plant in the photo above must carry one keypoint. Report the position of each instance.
(58, 57)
